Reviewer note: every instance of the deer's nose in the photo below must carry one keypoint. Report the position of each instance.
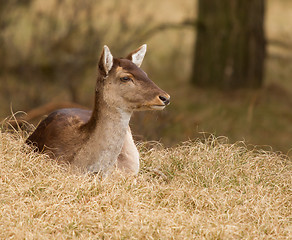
(165, 100)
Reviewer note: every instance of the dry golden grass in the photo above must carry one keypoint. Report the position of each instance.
(205, 190)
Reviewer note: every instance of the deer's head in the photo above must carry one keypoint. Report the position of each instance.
(126, 86)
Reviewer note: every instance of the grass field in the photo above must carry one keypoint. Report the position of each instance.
(205, 190)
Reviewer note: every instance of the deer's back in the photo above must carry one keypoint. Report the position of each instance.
(59, 134)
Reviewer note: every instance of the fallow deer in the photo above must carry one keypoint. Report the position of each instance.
(96, 141)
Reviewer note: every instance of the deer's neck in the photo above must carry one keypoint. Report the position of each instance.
(106, 132)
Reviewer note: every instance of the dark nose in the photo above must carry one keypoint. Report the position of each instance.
(165, 100)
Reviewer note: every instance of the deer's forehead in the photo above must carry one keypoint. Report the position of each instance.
(129, 67)
(119, 69)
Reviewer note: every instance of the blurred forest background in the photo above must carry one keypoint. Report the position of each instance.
(49, 52)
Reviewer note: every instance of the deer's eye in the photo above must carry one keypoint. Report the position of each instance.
(125, 79)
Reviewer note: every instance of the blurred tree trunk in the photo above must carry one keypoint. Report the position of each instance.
(230, 46)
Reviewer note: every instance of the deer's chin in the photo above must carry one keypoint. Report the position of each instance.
(150, 107)
(157, 107)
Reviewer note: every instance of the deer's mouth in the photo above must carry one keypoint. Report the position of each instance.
(158, 103)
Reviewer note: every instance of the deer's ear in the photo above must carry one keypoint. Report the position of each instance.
(106, 61)
(137, 56)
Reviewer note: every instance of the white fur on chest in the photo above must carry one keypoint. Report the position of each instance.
(128, 159)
